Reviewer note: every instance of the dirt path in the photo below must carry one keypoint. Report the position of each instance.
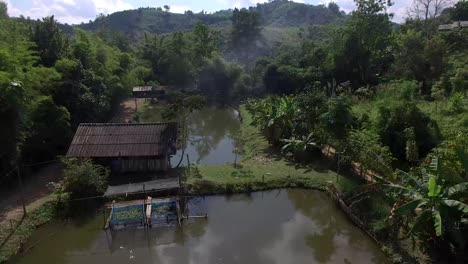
(35, 189)
(127, 110)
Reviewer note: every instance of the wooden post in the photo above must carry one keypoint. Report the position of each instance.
(21, 189)
(188, 161)
(338, 166)
(235, 157)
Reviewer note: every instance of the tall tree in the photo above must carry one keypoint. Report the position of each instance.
(245, 31)
(205, 42)
(51, 43)
(460, 11)
(427, 9)
(364, 52)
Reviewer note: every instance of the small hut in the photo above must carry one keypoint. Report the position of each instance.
(143, 147)
(149, 92)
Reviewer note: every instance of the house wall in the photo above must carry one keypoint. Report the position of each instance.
(141, 164)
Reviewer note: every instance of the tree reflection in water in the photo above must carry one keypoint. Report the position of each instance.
(208, 128)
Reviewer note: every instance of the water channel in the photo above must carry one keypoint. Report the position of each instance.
(279, 226)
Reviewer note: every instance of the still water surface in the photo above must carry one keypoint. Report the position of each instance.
(211, 139)
(280, 226)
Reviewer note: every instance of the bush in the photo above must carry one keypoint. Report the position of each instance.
(395, 118)
(84, 178)
(457, 102)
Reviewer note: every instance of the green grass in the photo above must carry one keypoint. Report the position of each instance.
(23, 229)
(261, 169)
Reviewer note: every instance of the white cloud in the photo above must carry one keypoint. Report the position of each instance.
(398, 9)
(180, 9)
(69, 11)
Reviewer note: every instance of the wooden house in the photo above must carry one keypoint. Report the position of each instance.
(127, 148)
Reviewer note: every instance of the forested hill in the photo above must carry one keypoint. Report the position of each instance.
(279, 13)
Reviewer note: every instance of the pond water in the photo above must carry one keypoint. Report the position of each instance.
(280, 226)
(211, 136)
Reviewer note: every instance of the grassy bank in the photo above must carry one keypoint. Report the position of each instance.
(262, 168)
(13, 239)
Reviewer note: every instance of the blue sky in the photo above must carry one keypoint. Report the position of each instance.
(77, 11)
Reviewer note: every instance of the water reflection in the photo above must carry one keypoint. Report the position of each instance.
(284, 226)
(211, 136)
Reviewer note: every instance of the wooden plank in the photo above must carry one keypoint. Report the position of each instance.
(148, 209)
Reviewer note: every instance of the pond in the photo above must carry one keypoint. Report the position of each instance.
(279, 226)
(211, 139)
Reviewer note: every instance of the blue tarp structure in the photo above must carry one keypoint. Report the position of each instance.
(128, 215)
(164, 212)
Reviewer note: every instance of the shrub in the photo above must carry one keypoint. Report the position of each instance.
(84, 178)
(457, 102)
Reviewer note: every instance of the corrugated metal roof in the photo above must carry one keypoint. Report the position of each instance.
(125, 140)
(454, 25)
(142, 89)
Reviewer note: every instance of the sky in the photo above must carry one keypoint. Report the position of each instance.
(77, 11)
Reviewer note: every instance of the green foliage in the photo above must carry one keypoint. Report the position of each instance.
(420, 59)
(51, 43)
(460, 11)
(51, 83)
(276, 13)
(457, 102)
(338, 118)
(365, 148)
(363, 47)
(84, 178)
(50, 130)
(245, 27)
(218, 79)
(392, 121)
(300, 147)
(205, 41)
(459, 81)
(432, 204)
(274, 116)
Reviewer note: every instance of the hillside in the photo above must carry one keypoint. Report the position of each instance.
(279, 13)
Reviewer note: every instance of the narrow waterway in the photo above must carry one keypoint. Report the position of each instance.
(279, 226)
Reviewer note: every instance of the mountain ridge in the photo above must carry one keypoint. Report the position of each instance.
(279, 13)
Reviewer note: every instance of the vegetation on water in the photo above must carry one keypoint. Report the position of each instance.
(128, 214)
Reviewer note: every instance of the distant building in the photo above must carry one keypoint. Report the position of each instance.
(454, 25)
(149, 92)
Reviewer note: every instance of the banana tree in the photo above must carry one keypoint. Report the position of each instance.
(435, 208)
(299, 146)
(274, 116)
